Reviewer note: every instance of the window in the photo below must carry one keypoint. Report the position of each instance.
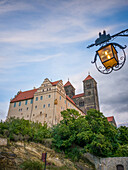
(33, 114)
(35, 107)
(48, 105)
(88, 86)
(41, 97)
(31, 101)
(21, 113)
(49, 96)
(45, 115)
(27, 115)
(19, 103)
(26, 102)
(15, 104)
(21, 109)
(27, 108)
(60, 97)
(65, 101)
(40, 113)
(81, 103)
(36, 98)
(44, 106)
(47, 89)
(89, 93)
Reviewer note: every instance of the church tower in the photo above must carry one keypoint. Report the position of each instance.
(90, 93)
(69, 89)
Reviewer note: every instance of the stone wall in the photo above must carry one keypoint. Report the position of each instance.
(107, 163)
(3, 141)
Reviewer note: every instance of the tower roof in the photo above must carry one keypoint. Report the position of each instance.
(68, 84)
(88, 78)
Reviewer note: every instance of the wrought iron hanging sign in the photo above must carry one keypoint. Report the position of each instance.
(106, 57)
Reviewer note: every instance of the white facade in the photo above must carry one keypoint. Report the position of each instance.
(43, 104)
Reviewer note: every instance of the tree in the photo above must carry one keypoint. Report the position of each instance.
(92, 132)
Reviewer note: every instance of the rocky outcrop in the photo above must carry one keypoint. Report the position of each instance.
(12, 155)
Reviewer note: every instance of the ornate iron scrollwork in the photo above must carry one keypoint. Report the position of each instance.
(121, 61)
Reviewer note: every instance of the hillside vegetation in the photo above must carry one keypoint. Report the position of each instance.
(74, 135)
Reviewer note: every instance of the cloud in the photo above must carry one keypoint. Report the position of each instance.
(7, 6)
(3, 110)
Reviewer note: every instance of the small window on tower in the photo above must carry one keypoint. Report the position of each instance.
(36, 98)
(81, 103)
(89, 93)
(41, 97)
(88, 86)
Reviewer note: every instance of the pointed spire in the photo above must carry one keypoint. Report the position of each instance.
(68, 84)
(88, 77)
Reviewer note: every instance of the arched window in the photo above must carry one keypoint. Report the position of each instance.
(120, 167)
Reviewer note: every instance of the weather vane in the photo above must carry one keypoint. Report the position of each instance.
(109, 60)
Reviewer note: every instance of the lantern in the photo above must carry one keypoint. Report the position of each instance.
(108, 56)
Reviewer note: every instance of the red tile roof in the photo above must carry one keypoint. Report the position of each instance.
(78, 95)
(24, 95)
(88, 78)
(68, 84)
(110, 119)
(70, 100)
(55, 82)
(28, 94)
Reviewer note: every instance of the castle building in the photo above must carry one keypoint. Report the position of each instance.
(43, 104)
(86, 100)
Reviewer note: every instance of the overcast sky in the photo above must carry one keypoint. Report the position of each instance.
(48, 39)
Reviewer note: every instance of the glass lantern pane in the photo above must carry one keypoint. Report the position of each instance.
(115, 53)
(105, 53)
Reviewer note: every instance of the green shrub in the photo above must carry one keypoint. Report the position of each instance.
(24, 130)
(32, 165)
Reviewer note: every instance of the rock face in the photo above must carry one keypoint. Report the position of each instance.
(12, 155)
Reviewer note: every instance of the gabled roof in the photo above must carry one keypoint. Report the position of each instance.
(55, 83)
(78, 95)
(68, 84)
(110, 119)
(70, 99)
(24, 95)
(28, 94)
(88, 78)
